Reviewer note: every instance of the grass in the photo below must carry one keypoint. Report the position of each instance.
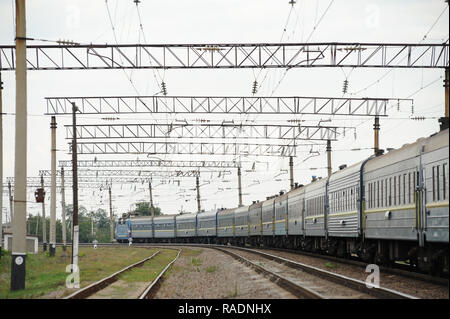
(150, 269)
(47, 274)
(196, 261)
(211, 269)
(331, 265)
(235, 292)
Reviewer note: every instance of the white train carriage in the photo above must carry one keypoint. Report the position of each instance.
(254, 218)
(296, 206)
(241, 224)
(268, 218)
(315, 212)
(390, 182)
(280, 215)
(164, 227)
(225, 225)
(142, 229)
(186, 225)
(435, 161)
(207, 225)
(343, 217)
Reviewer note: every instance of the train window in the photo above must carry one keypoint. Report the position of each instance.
(370, 196)
(399, 189)
(378, 193)
(390, 191)
(404, 188)
(444, 180)
(438, 188)
(434, 182)
(409, 187)
(394, 195)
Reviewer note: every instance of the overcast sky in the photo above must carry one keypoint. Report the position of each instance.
(231, 21)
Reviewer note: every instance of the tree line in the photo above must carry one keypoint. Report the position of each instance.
(92, 225)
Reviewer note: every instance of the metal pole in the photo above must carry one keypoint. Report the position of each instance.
(111, 221)
(63, 208)
(239, 186)
(329, 157)
(376, 130)
(37, 224)
(20, 156)
(75, 229)
(291, 171)
(11, 204)
(446, 85)
(1, 166)
(198, 193)
(53, 189)
(444, 124)
(152, 209)
(44, 221)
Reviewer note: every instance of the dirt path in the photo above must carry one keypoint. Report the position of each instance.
(205, 273)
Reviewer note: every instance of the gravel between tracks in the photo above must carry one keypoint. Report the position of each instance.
(410, 286)
(201, 273)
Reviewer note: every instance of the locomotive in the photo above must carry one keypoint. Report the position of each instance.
(387, 208)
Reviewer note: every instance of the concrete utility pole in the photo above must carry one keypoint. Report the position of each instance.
(329, 157)
(444, 121)
(197, 182)
(239, 186)
(111, 220)
(11, 204)
(19, 247)
(152, 208)
(63, 208)
(1, 166)
(44, 221)
(291, 171)
(53, 189)
(75, 228)
(376, 130)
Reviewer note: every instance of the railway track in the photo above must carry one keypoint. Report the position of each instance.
(148, 292)
(396, 270)
(306, 281)
(401, 271)
(151, 290)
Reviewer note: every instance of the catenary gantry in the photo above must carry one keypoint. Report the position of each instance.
(223, 105)
(254, 55)
(223, 131)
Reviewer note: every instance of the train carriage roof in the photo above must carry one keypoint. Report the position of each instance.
(407, 151)
(255, 205)
(229, 211)
(186, 216)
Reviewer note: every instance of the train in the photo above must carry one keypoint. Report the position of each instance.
(388, 208)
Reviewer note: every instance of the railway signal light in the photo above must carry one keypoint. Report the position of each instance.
(39, 195)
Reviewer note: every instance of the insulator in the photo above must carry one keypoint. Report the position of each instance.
(255, 87)
(163, 88)
(345, 87)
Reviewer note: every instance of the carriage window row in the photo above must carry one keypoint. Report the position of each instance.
(439, 181)
(344, 199)
(315, 206)
(394, 190)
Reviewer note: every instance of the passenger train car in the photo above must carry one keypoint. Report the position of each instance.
(387, 208)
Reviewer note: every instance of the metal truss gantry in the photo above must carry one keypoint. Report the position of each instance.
(131, 173)
(222, 105)
(162, 148)
(223, 131)
(152, 163)
(226, 56)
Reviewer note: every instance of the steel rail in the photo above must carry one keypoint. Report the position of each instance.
(99, 285)
(359, 285)
(155, 284)
(286, 284)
